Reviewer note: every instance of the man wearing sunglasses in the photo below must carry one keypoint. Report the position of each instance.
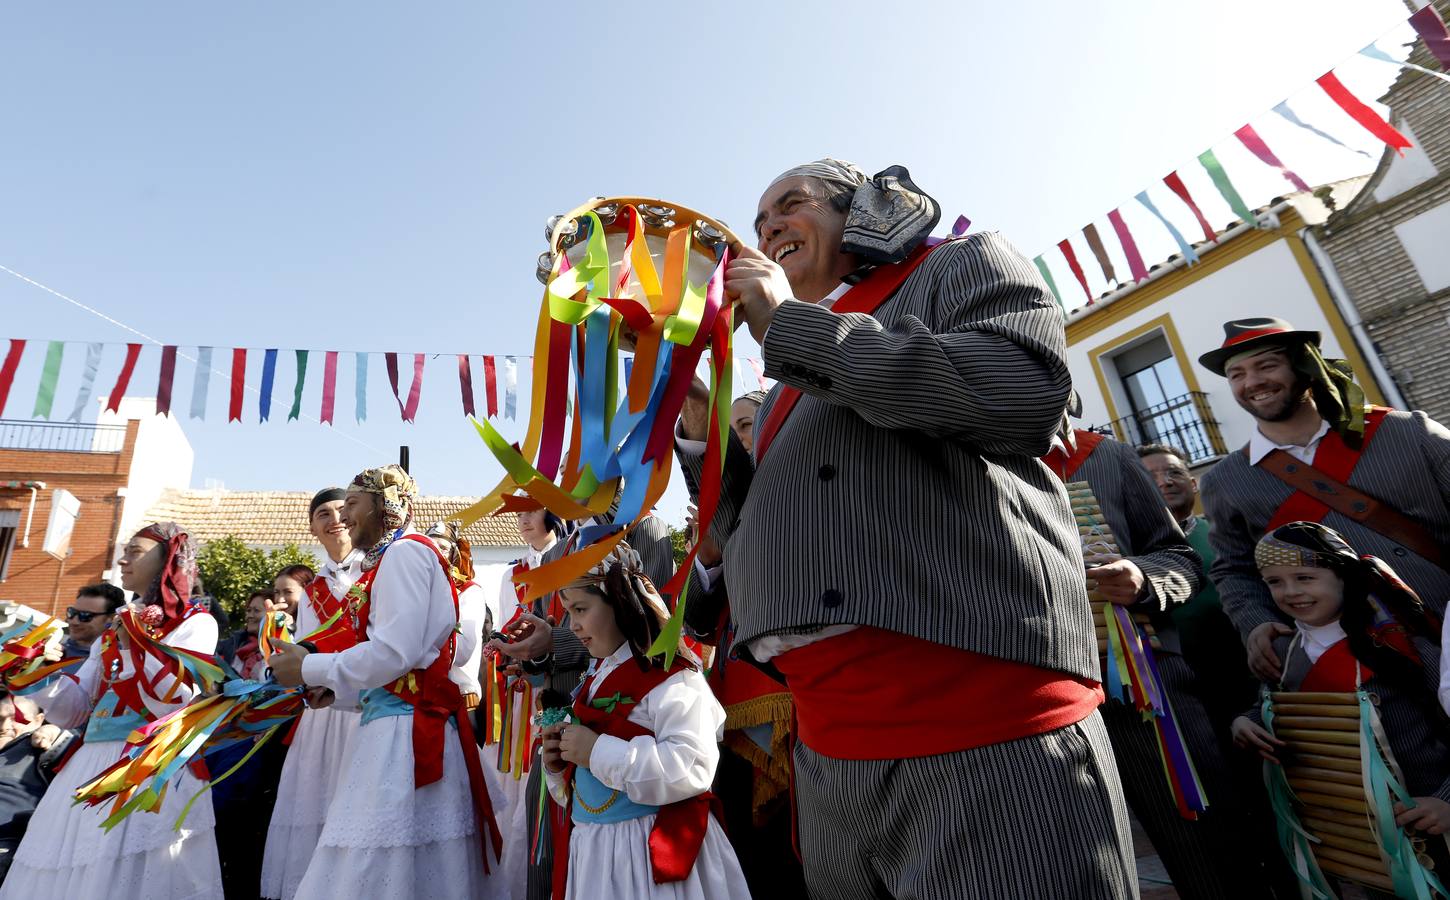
(88, 616)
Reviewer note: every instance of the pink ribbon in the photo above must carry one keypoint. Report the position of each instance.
(490, 385)
(1250, 139)
(1130, 246)
(164, 379)
(329, 386)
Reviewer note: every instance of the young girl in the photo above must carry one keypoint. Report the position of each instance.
(1357, 625)
(634, 768)
(247, 661)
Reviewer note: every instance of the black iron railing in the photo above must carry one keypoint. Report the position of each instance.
(1185, 422)
(73, 437)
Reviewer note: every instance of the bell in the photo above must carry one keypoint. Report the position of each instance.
(657, 216)
(607, 212)
(545, 267)
(565, 234)
(708, 234)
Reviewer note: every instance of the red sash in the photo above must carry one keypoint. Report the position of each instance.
(865, 297)
(435, 699)
(1066, 465)
(679, 828)
(1335, 459)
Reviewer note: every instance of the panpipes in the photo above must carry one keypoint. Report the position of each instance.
(1098, 542)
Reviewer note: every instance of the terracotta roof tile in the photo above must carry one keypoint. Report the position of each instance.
(280, 517)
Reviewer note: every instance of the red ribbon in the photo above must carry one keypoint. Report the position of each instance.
(1431, 28)
(7, 371)
(1250, 139)
(239, 380)
(1176, 185)
(1066, 248)
(127, 367)
(490, 385)
(163, 381)
(1361, 113)
(465, 383)
(408, 409)
(329, 386)
(1130, 247)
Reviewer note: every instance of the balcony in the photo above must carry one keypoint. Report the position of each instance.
(1185, 422)
(68, 437)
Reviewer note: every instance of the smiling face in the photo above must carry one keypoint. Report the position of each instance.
(742, 421)
(1313, 596)
(591, 618)
(1267, 386)
(257, 607)
(327, 526)
(362, 515)
(287, 592)
(86, 632)
(798, 227)
(141, 562)
(1175, 483)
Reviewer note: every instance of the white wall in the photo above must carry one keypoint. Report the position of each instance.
(1425, 239)
(163, 459)
(1267, 282)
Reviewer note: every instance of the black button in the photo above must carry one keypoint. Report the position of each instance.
(832, 599)
(827, 472)
(824, 382)
(1399, 551)
(789, 369)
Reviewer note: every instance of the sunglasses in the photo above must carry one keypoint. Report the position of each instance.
(81, 615)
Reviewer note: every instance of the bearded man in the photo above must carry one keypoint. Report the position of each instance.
(901, 558)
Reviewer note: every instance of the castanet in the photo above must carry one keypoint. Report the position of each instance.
(1328, 788)
(1357, 875)
(1316, 723)
(1316, 709)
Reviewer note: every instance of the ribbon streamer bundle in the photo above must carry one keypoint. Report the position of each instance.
(22, 656)
(1126, 642)
(1334, 797)
(616, 266)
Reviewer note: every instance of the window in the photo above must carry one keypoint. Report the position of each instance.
(1162, 407)
(9, 524)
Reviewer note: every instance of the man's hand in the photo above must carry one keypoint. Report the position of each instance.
(709, 553)
(286, 663)
(1251, 736)
(553, 760)
(1119, 580)
(758, 285)
(44, 737)
(1430, 815)
(531, 638)
(695, 414)
(576, 743)
(1263, 662)
(54, 652)
(320, 697)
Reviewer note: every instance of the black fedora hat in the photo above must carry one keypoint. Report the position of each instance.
(1245, 334)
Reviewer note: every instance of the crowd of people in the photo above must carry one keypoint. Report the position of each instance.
(891, 682)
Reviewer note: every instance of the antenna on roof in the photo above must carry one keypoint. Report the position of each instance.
(403, 457)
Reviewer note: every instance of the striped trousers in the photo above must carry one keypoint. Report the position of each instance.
(1036, 818)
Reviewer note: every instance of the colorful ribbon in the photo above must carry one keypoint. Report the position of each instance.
(1184, 247)
(269, 377)
(200, 382)
(1071, 257)
(1130, 246)
(1287, 112)
(1176, 185)
(1095, 243)
(7, 370)
(1051, 283)
(361, 391)
(1374, 52)
(329, 386)
(490, 387)
(1360, 112)
(296, 409)
(88, 380)
(49, 374)
(1225, 187)
(165, 376)
(113, 402)
(465, 383)
(239, 382)
(408, 408)
(510, 387)
(1431, 29)
(1255, 144)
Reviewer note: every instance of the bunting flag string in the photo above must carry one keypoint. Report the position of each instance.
(269, 378)
(361, 413)
(1374, 52)
(510, 387)
(1130, 246)
(1072, 263)
(296, 409)
(1051, 282)
(128, 367)
(201, 382)
(465, 383)
(239, 382)
(1095, 243)
(408, 408)
(1255, 144)
(1287, 113)
(490, 386)
(329, 386)
(1176, 185)
(1431, 29)
(1360, 112)
(164, 377)
(1184, 247)
(45, 394)
(1226, 188)
(88, 380)
(7, 370)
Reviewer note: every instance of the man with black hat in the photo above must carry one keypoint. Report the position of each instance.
(1378, 476)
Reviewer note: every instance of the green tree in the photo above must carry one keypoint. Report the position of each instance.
(231, 571)
(678, 537)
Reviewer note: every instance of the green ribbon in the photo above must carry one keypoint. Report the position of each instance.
(1051, 284)
(45, 397)
(1297, 844)
(609, 703)
(297, 392)
(1225, 187)
(592, 270)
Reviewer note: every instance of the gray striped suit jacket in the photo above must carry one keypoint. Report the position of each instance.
(905, 491)
(1146, 532)
(1405, 465)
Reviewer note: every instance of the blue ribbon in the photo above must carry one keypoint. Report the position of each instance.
(362, 387)
(201, 382)
(1183, 246)
(269, 373)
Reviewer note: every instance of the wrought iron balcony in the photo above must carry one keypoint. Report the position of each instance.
(73, 437)
(1185, 422)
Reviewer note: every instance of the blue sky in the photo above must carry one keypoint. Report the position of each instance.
(376, 176)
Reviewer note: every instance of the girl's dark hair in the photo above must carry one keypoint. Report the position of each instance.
(639, 620)
(299, 573)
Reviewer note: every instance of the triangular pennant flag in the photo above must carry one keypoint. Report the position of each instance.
(1287, 112)
(1360, 112)
(1250, 139)
(465, 383)
(1130, 246)
(510, 387)
(1176, 185)
(269, 377)
(1095, 243)
(1225, 187)
(297, 391)
(88, 380)
(490, 386)
(1374, 52)
(200, 382)
(49, 374)
(239, 382)
(7, 370)
(329, 386)
(164, 379)
(1431, 29)
(1051, 282)
(361, 413)
(408, 408)
(1184, 247)
(113, 403)
(1072, 263)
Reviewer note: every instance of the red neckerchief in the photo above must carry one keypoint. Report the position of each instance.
(864, 297)
(679, 828)
(1064, 464)
(1334, 458)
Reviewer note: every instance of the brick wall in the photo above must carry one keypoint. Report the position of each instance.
(1410, 327)
(94, 479)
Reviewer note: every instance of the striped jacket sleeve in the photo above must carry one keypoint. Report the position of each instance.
(989, 371)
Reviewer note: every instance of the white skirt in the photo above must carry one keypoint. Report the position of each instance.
(66, 853)
(611, 862)
(384, 839)
(309, 778)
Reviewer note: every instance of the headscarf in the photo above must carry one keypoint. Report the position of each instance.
(172, 588)
(326, 495)
(888, 215)
(460, 558)
(1338, 398)
(398, 491)
(756, 397)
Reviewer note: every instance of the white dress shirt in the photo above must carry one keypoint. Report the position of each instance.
(1260, 446)
(1317, 639)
